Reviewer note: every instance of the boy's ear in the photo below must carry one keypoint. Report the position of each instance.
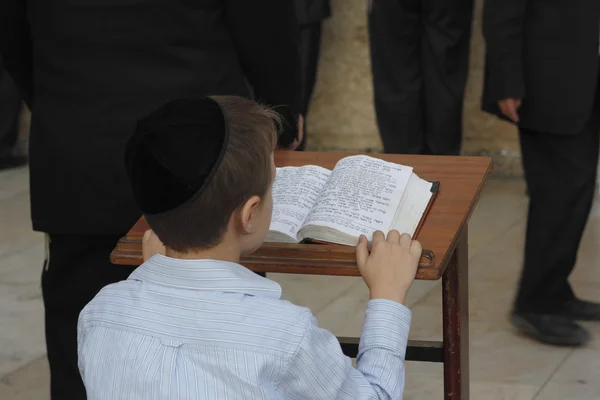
(248, 213)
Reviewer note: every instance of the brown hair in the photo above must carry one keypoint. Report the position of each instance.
(245, 171)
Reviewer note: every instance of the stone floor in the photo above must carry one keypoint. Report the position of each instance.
(503, 364)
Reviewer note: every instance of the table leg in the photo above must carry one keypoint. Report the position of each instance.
(455, 303)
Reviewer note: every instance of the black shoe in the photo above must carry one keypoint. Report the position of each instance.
(10, 162)
(580, 310)
(552, 329)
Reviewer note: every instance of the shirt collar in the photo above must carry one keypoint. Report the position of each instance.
(205, 275)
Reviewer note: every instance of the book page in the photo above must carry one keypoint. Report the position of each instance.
(361, 196)
(295, 191)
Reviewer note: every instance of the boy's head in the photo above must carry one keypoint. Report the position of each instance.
(201, 171)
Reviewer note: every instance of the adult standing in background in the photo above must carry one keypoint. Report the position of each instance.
(310, 14)
(541, 73)
(89, 70)
(420, 62)
(10, 111)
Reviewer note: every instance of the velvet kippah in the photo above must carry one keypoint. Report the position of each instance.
(175, 152)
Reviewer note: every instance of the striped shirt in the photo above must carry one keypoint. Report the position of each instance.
(205, 329)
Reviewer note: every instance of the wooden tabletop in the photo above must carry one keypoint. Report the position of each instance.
(461, 181)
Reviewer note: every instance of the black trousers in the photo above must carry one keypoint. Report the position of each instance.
(76, 268)
(310, 46)
(419, 59)
(10, 107)
(560, 171)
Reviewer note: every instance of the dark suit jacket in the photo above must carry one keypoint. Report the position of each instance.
(545, 52)
(312, 11)
(91, 68)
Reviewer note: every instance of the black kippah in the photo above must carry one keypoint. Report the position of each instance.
(175, 152)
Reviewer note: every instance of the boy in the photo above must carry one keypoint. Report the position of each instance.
(193, 323)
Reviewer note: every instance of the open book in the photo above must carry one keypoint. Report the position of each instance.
(360, 196)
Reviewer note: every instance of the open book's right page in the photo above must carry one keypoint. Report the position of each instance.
(413, 205)
(360, 197)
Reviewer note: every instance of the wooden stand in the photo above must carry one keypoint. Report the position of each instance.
(445, 232)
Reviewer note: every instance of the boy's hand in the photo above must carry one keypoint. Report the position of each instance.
(151, 245)
(390, 268)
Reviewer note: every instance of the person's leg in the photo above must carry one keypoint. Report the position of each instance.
(310, 45)
(76, 268)
(560, 171)
(445, 53)
(395, 30)
(561, 175)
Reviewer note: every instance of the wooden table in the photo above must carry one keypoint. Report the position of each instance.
(445, 232)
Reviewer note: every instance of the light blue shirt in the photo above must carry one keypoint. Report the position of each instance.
(208, 329)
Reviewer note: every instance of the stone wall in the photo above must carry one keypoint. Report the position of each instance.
(342, 117)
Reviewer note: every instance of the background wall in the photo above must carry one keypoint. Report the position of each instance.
(342, 115)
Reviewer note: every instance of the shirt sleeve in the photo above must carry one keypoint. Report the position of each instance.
(319, 369)
(266, 37)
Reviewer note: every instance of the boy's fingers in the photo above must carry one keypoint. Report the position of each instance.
(405, 240)
(393, 236)
(378, 236)
(415, 247)
(147, 235)
(362, 251)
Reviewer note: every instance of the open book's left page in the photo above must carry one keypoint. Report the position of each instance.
(295, 191)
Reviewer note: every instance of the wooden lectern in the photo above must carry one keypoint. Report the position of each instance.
(444, 232)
